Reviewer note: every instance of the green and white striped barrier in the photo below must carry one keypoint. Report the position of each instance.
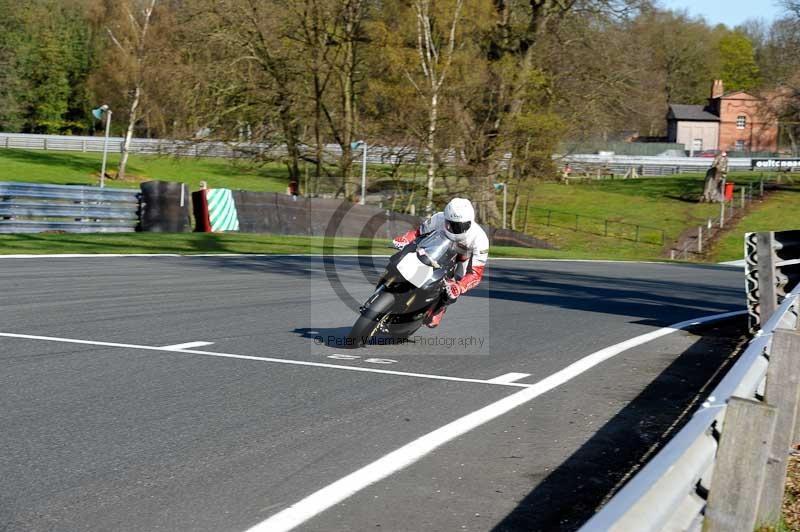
(222, 213)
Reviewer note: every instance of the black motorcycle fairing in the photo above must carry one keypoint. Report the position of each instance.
(403, 305)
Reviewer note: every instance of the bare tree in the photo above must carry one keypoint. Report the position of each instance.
(435, 58)
(793, 6)
(130, 38)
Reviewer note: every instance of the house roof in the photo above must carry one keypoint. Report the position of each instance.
(697, 113)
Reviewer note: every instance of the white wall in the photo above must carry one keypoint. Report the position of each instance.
(708, 132)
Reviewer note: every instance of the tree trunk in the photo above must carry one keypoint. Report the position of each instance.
(348, 95)
(126, 144)
(290, 134)
(514, 211)
(712, 185)
(431, 146)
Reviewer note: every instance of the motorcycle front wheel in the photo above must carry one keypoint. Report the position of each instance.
(372, 316)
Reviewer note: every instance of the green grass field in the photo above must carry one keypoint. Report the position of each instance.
(667, 204)
(201, 243)
(70, 168)
(778, 213)
(608, 207)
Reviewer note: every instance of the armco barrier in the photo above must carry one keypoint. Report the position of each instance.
(34, 208)
(672, 491)
(772, 268)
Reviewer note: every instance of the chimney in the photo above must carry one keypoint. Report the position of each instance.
(717, 89)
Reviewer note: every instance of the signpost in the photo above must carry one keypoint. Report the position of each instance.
(98, 114)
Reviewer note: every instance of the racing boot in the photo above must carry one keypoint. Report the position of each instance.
(434, 316)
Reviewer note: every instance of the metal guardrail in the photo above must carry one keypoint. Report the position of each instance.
(671, 491)
(647, 166)
(616, 164)
(33, 208)
(200, 148)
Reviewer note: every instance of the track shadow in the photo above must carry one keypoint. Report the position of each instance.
(570, 495)
(336, 337)
(644, 298)
(327, 336)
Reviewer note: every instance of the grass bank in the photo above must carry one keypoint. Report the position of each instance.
(608, 211)
(777, 213)
(615, 208)
(70, 168)
(194, 243)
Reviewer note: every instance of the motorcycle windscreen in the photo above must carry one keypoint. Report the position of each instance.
(414, 270)
(436, 246)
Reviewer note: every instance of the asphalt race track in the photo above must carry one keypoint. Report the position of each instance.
(100, 433)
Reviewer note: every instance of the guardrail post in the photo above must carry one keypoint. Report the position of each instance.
(739, 469)
(797, 314)
(722, 215)
(767, 296)
(672, 254)
(782, 391)
(742, 189)
(44, 143)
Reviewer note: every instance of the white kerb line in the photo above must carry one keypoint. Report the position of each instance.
(406, 455)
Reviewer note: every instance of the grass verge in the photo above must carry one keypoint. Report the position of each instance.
(194, 243)
(69, 168)
(608, 210)
(777, 213)
(616, 207)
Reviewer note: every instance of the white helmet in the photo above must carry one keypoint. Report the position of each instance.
(458, 218)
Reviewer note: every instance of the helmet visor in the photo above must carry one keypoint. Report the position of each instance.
(457, 228)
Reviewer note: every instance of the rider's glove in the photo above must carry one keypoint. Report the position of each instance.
(452, 289)
(400, 242)
(403, 240)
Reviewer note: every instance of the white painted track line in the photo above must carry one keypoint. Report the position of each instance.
(329, 496)
(510, 377)
(170, 349)
(187, 345)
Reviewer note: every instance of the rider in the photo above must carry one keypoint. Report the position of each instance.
(458, 223)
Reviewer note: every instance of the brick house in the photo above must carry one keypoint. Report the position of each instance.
(732, 121)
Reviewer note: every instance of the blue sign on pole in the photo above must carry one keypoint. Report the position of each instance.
(99, 112)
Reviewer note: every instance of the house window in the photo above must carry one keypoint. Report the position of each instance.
(740, 145)
(741, 122)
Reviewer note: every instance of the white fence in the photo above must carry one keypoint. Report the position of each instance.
(197, 148)
(617, 165)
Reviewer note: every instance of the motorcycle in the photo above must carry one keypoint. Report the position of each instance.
(411, 286)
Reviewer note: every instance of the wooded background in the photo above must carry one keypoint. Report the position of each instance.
(476, 78)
